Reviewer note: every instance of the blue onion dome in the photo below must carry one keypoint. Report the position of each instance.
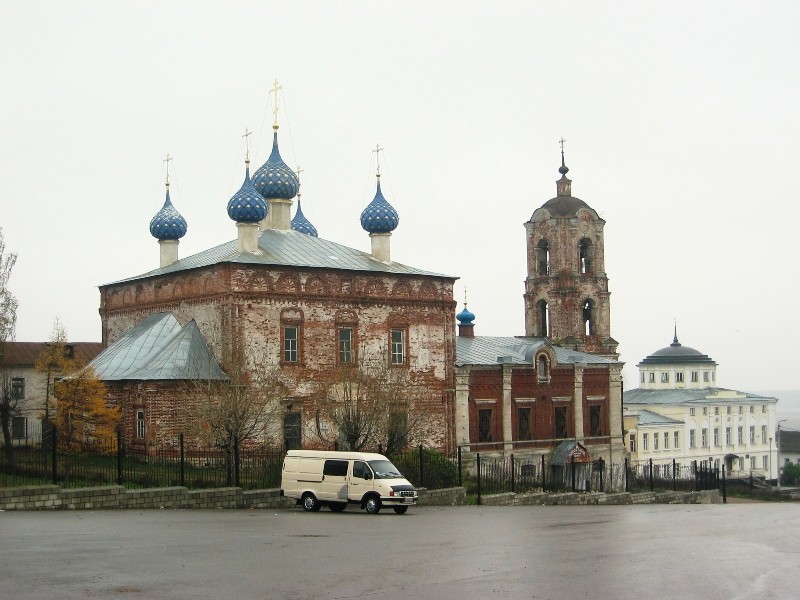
(465, 317)
(274, 179)
(168, 224)
(247, 205)
(301, 224)
(379, 216)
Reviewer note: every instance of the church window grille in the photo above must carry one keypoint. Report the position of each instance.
(346, 345)
(140, 427)
(485, 425)
(595, 420)
(291, 344)
(398, 346)
(561, 422)
(291, 431)
(524, 424)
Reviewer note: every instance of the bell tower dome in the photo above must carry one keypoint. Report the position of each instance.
(566, 289)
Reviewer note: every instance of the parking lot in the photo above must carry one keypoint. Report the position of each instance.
(618, 552)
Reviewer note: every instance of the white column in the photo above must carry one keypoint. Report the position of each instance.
(462, 406)
(508, 445)
(577, 402)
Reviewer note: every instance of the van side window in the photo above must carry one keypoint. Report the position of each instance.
(359, 469)
(335, 467)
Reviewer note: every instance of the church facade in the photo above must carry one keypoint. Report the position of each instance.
(561, 382)
(280, 297)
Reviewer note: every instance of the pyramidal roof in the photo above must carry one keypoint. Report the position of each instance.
(159, 348)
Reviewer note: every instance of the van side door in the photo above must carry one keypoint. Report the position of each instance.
(334, 480)
(362, 480)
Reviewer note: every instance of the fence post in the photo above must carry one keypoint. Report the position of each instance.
(674, 473)
(54, 449)
(651, 474)
(236, 463)
(513, 483)
(478, 468)
(724, 490)
(183, 461)
(460, 480)
(626, 474)
(544, 480)
(119, 456)
(421, 469)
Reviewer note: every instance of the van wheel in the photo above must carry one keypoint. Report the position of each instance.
(310, 502)
(338, 506)
(373, 505)
(400, 510)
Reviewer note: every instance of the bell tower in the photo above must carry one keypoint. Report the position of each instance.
(566, 289)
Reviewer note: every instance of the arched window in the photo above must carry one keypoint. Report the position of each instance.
(543, 257)
(544, 318)
(585, 255)
(542, 368)
(588, 317)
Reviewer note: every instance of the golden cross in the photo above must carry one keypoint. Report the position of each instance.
(166, 160)
(246, 137)
(275, 88)
(377, 152)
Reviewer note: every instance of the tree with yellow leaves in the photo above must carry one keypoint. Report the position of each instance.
(83, 417)
(53, 361)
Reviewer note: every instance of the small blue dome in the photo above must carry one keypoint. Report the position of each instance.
(274, 179)
(247, 205)
(168, 224)
(379, 216)
(301, 224)
(465, 317)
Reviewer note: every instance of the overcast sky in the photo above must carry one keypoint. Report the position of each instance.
(680, 122)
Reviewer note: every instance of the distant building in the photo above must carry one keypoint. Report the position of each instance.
(789, 447)
(561, 382)
(679, 414)
(29, 386)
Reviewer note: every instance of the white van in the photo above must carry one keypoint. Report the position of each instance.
(335, 479)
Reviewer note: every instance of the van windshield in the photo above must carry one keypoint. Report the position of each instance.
(384, 469)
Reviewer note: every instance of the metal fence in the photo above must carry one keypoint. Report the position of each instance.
(182, 464)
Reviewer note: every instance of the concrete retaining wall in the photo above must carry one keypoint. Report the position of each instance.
(52, 497)
(574, 498)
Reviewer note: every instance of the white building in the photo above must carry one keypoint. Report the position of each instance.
(679, 414)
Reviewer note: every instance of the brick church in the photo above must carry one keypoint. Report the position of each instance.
(561, 383)
(278, 296)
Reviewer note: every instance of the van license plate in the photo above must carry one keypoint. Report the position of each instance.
(408, 500)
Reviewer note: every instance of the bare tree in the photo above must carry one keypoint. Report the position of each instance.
(8, 320)
(370, 407)
(243, 409)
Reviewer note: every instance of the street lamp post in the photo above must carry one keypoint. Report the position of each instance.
(769, 474)
(778, 451)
